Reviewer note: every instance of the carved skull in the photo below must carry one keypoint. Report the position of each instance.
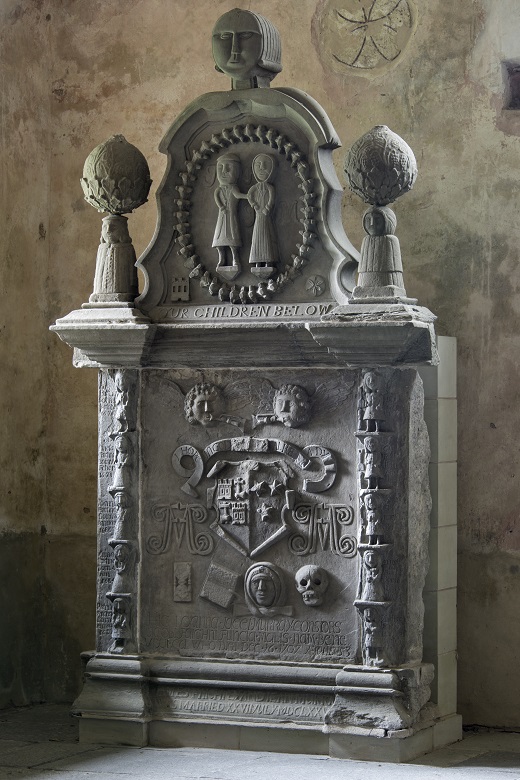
(312, 582)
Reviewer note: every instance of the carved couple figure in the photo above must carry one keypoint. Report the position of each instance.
(260, 197)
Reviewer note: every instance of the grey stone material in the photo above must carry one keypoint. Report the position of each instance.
(263, 503)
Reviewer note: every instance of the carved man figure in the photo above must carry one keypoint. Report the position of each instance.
(120, 625)
(371, 465)
(372, 402)
(227, 230)
(122, 563)
(381, 264)
(372, 639)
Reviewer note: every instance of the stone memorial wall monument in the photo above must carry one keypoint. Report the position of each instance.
(263, 508)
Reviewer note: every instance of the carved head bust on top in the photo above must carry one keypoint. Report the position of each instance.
(246, 47)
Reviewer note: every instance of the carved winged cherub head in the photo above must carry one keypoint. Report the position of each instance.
(246, 47)
(291, 406)
(203, 404)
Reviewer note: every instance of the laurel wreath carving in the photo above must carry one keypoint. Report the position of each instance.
(188, 176)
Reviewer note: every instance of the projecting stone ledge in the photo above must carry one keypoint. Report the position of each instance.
(394, 334)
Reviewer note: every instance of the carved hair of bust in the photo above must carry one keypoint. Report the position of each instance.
(291, 406)
(246, 45)
(203, 404)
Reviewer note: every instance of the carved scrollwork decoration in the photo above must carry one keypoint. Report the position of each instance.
(178, 524)
(226, 138)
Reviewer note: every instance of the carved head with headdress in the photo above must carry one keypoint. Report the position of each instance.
(264, 589)
(379, 221)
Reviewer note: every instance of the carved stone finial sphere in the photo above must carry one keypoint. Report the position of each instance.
(116, 177)
(246, 47)
(380, 166)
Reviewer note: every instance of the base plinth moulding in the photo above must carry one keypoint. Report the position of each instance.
(260, 706)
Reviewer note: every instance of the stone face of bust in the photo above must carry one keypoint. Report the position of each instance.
(237, 44)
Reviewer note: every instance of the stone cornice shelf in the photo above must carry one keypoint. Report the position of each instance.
(348, 336)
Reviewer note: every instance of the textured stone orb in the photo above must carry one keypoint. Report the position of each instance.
(116, 177)
(380, 166)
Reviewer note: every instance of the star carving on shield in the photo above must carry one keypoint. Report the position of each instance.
(252, 504)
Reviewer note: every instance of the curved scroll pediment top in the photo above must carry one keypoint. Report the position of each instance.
(229, 235)
(304, 205)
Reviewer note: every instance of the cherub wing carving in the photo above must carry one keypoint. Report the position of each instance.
(328, 396)
(245, 392)
(169, 394)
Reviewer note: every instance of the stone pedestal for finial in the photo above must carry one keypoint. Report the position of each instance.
(380, 167)
(263, 507)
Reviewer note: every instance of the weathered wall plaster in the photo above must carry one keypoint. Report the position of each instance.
(74, 73)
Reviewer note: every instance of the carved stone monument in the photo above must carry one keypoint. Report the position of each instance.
(263, 504)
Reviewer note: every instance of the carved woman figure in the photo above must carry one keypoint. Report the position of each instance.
(227, 230)
(371, 466)
(373, 414)
(373, 587)
(116, 276)
(374, 529)
(381, 264)
(263, 253)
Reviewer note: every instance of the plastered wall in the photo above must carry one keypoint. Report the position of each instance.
(73, 73)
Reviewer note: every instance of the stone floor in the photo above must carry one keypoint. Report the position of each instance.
(41, 743)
